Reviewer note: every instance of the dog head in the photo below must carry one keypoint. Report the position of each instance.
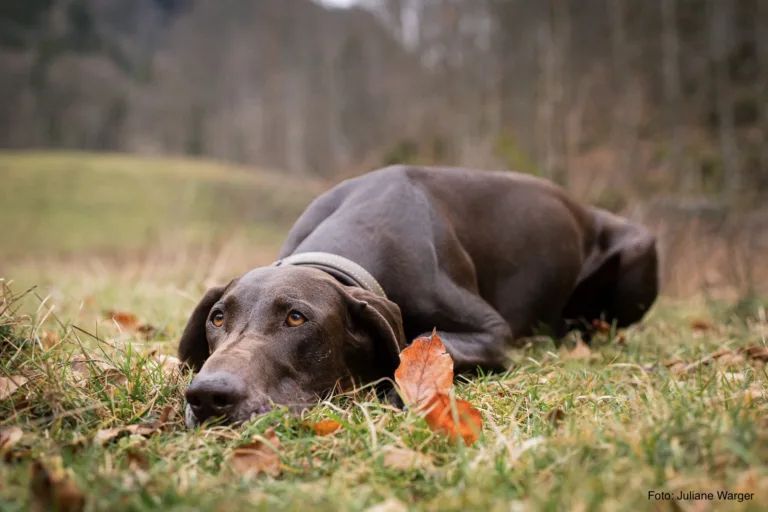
(285, 335)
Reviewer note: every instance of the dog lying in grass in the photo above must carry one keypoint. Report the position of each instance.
(485, 258)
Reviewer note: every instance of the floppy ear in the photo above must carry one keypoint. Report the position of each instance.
(193, 347)
(380, 319)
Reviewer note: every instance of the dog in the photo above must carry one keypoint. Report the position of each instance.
(484, 257)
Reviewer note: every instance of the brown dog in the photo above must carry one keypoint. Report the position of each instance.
(484, 257)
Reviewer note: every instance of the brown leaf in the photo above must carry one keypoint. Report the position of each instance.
(702, 325)
(9, 385)
(756, 352)
(258, 457)
(555, 417)
(601, 326)
(467, 423)
(9, 437)
(170, 365)
(145, 429)
(425, 377)
(580, 351)
(54, 491)
(325, 427)
(107, 434)
(137, 460)
(403, 459)
(147, 331)
(425, 370)
(82, 365)
(125, 320)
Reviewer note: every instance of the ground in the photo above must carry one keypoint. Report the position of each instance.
(674, 404)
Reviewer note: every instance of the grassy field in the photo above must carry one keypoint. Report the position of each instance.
(674, 405)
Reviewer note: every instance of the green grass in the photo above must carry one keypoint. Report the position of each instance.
(626, 429)
(629, 424)
(58, 204)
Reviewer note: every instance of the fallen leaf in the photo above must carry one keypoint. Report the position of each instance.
(555, 417)
(145, 429)
(82, 365)
(9, 385)
(443, 419)
(425, 370)
(54, 490)
(702, 325)
(580, 351)
(170, 365)
(601, 326)
(147, 331)
(756, 352)
(325, 427)
(258, 457)
(137, 460)
(425, 378)
(125, 320)
(107, 434)
(9, 437)
(403, 459)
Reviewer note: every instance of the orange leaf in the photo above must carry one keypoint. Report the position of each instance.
(465, 421)
(425, 370)
(425, 377)
(325, 427)
(258, 457)
(124, 319)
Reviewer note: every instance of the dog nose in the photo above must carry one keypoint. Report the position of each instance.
(215, 395)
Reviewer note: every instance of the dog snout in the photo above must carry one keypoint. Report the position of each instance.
(215, 395)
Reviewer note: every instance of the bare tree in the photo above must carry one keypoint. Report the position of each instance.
(721, 20)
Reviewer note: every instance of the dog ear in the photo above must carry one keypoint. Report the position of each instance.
(379, 318)
(193, 347)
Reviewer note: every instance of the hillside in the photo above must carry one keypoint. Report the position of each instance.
(67, 204)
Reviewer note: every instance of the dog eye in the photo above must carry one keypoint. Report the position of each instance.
(217, 319)
(295, 319)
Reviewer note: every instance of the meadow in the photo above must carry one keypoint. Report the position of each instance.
(102, 258)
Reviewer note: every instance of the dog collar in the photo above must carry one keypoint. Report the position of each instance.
(333, 264)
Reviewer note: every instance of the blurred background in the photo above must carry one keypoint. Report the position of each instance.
(191, 133)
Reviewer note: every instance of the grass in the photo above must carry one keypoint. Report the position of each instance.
(626, 429)
(58, 204)
(627, 423)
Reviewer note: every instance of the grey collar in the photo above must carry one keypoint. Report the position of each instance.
(335, 265)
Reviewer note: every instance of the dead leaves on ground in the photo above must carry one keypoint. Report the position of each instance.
(325, 427)
(425, 377)
(260, 456)
(9, 385)
(144, 429)
(130, 322)
(724, 358)
(52, 488)
(404, 459)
